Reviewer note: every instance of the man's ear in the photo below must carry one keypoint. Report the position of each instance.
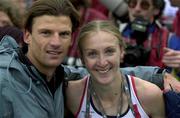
(27, 37)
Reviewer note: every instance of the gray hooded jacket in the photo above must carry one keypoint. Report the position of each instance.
(20, 95)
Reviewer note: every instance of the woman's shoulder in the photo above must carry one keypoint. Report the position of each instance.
(74, 94)
(149, 95)
(76, 85)
(146, 89)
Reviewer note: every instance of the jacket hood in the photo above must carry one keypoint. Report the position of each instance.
(14, 70)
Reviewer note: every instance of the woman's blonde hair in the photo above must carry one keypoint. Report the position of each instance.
(99, 25)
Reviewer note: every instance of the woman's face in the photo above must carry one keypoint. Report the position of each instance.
(101, 55)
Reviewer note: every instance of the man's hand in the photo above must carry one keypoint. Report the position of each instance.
(171, 58)
(170, 83)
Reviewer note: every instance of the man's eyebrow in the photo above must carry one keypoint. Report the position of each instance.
(66, 31)
(44, 30)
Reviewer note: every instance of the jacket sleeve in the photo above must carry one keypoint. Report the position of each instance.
(74, 73)
(6, 109)
(152, 74)
(149, 73)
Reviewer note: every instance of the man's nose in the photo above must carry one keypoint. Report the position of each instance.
(56, 40)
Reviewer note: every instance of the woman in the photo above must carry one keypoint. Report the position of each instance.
(106, 92)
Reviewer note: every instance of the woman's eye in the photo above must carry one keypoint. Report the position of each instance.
(110, 51)
(92, 54)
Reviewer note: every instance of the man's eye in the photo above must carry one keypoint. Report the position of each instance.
(45, 33)
(65, 34)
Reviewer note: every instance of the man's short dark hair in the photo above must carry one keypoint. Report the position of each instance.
(51, 7)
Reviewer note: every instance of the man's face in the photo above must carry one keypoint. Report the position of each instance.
(49, 41)
(141, 8)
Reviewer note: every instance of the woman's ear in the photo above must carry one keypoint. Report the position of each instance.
(122, 53)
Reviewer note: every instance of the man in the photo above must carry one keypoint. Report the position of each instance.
(31, 85)
(144, 34)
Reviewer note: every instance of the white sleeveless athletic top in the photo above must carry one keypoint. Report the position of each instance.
(94, 113)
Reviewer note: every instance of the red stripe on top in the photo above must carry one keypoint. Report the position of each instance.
(134, 86)
(82, 97)
(137, 115)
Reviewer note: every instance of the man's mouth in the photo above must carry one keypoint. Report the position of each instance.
(54, 52)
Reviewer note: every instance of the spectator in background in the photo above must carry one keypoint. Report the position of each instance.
(144, 34)
(172, 53)
(9, 14)
(87, 14)
(21, 5)
(142, 30)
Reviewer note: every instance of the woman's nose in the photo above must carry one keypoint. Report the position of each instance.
(102, 61)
